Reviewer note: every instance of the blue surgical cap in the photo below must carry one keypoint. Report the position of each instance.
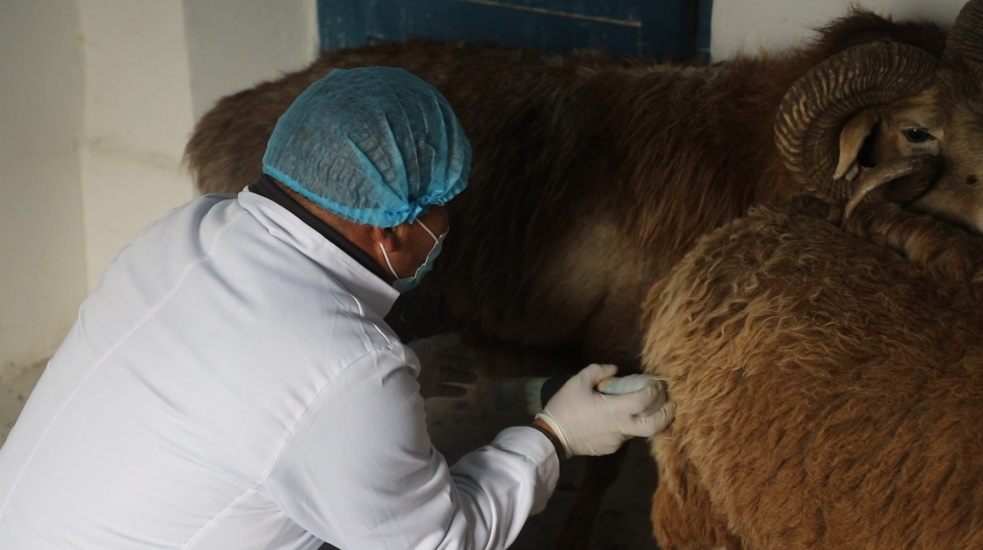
(375, 145)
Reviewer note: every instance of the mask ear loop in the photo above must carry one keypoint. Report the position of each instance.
(435, 239)
(386, 255)
(390, 264)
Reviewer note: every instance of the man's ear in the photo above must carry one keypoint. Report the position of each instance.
(852, 138)
(386, 236)
(395, 238)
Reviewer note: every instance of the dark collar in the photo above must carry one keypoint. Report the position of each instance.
(266, 187)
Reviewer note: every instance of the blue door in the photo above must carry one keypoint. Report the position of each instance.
(665, 29)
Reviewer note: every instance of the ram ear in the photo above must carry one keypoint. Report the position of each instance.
(852, 137)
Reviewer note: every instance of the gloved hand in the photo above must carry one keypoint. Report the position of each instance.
(444, 360)
(588, 422)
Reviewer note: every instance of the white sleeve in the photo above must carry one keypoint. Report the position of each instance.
(360, 472)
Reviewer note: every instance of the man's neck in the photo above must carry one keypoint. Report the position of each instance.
(354, 239)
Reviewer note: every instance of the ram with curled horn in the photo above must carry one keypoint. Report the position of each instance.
(896, 101)
(592, 176)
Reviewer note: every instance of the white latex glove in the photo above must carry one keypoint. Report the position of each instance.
(444, 361)
(588, 422)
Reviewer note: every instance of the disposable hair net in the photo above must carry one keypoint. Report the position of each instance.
(375, 145)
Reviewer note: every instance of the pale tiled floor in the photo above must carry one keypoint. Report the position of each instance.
(459, 426)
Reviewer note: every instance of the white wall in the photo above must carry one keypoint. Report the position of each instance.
(152, 69)
(263, 40)
(100, 97)
(42, 252)
(137, 118)
(750, 25)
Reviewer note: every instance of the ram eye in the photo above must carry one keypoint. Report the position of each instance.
(917, 135)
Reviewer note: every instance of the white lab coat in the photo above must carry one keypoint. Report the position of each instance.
(231, 384)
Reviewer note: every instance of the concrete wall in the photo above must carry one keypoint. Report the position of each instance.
(751, 25)
(262, 41)
(137, 118)
(100, 97)
(42, 245)
(152, 69)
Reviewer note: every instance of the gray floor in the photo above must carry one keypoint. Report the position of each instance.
(459, 426)
(13, 394)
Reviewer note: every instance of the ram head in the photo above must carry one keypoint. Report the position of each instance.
(882, 101)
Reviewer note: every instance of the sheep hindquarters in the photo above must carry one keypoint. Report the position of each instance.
(829, 384)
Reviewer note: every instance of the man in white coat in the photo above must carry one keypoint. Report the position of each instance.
(231, 383)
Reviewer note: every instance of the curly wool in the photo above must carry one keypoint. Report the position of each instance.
(829, 384)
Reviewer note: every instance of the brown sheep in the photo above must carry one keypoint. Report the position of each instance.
(591, 177)
(829, 384)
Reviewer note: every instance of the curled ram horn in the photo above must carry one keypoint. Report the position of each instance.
(966, 37)
(901, 180)
(812, 112)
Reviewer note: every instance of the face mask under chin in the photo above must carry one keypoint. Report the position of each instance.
(409, 283)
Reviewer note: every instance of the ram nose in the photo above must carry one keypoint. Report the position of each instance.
(899, 180)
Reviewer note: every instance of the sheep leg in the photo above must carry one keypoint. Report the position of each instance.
(599, 474)
(683, 516)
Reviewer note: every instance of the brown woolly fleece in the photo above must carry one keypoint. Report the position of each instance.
(591, 176)
(829, 384)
